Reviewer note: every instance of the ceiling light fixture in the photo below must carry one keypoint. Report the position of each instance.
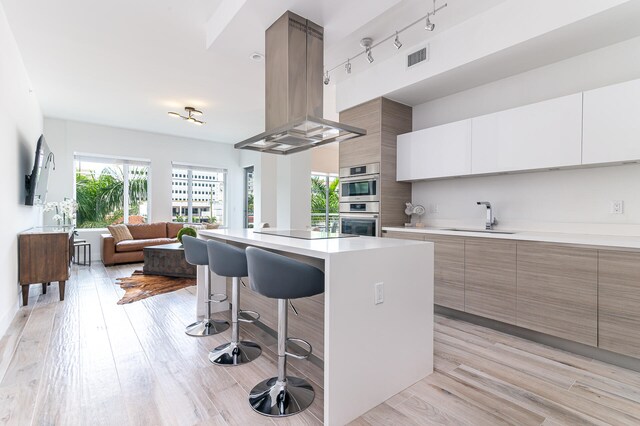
(367, 42)
(258, 57)
(191, 113)
(397, 43)
(430, 26)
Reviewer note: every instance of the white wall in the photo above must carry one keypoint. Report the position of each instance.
(571, 200)
(68, 137)
(20, 127)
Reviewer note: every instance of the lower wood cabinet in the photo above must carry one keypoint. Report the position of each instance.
(448, 271)
(490, 279)
(619, 302)
(557, 291)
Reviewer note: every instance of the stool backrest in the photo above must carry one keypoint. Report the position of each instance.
(226, 260)
(280, 277)
(195, 250)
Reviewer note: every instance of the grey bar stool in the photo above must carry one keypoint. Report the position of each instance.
(195, 253)
(229, 261)
(279, 277)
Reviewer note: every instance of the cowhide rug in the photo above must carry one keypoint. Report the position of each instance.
(140, 286)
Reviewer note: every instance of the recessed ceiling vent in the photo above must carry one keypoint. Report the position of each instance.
(417, 57)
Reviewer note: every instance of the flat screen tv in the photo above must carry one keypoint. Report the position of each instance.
(37, 182)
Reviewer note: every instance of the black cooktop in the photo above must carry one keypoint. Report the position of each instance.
(304, 235)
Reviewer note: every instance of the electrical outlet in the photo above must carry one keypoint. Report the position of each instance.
(617, 207)
(435, 208)
(379, 293)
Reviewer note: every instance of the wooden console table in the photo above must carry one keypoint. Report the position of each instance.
(44, 255)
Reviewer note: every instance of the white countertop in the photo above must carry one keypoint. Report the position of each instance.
(321, 248)
(613, 241)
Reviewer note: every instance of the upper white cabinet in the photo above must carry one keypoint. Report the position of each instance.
(435, 152)
(542, 135)
(612, 124)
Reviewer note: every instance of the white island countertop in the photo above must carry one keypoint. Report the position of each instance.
(319, 248)
(595, 240)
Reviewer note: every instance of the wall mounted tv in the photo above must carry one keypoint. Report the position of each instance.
(36, 183)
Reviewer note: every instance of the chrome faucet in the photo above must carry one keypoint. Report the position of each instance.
(490, 219)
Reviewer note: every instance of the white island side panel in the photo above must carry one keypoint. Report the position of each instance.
(373, 352)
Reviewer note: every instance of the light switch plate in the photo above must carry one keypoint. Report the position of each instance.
(617, 207)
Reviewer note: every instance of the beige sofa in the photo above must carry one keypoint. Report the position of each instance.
(144, 235)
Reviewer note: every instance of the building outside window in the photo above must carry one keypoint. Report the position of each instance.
(111, 190)
(325, 207)
(198, 194)
(248, 197)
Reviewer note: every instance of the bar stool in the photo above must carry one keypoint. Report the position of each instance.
(195, 253)
(279, 277)
(229, 261)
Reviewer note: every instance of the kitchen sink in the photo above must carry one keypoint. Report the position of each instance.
(485, 231)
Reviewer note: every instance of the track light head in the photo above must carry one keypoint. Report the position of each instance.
(327, 79)
(397, 42)
(428, 25)
(369, 56)
(347, 67)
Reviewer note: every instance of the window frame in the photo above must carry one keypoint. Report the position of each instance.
(191, 168)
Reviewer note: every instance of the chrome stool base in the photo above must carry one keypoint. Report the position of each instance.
(278, 399)
(207, 327)
(238, 353)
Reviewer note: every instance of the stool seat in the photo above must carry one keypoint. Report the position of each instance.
(280, 277)
(195, 253)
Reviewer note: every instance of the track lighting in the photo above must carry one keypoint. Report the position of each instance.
(191, 112)
(366, 43)
(397, 42)
(428, 25)
(347, 67)
(327, 79)
(369, 56)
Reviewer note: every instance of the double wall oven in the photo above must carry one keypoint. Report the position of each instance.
(360, 200)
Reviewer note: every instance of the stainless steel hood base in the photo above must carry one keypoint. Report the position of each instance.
(299, 135)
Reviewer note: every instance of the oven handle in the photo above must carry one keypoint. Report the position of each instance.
(359, 216)
(375, 177)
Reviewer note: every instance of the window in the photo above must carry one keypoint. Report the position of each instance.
(248, 197)
(324, 202)
(198, 194)
(111, 191)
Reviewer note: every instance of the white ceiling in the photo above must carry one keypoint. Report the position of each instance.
(126, 63)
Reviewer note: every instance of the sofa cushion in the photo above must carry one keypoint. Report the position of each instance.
(138, 245)
(173, 228)
(120, 233)
(148, 231)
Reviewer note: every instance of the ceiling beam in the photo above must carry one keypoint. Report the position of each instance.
(221, 18)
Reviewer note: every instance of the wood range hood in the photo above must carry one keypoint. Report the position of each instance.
(294, 56)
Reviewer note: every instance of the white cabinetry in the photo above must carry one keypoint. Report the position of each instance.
(542, 135)
(436, 152)
(612, 124)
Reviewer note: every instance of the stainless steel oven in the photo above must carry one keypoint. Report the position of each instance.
(360, 224)
(360, 183)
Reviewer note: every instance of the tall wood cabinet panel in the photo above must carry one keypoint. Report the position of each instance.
(611, 125)
(436, 152)
(448, 271)
(619, 302)
(557, 291)
(383, 119)
(490, 279)
(542, 135)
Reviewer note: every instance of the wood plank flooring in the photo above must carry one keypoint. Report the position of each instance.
(89, 361)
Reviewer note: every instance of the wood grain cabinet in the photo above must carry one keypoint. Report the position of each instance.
(448, 271)
(557, 291)
(490, 279)
(619, 302)
(45, 254)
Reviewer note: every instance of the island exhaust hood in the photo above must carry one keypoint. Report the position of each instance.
(294, 58)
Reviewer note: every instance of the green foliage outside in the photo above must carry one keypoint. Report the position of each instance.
(101, 198)
(319, 196)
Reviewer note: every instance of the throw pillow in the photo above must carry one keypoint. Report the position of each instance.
(120, 232)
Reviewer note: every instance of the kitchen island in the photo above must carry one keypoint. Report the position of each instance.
(371, 351)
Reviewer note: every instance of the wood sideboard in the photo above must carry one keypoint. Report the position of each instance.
(44, 256)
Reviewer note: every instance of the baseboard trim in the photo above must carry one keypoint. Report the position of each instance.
(603, 355)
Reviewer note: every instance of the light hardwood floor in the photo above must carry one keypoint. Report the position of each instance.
(89, 361)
